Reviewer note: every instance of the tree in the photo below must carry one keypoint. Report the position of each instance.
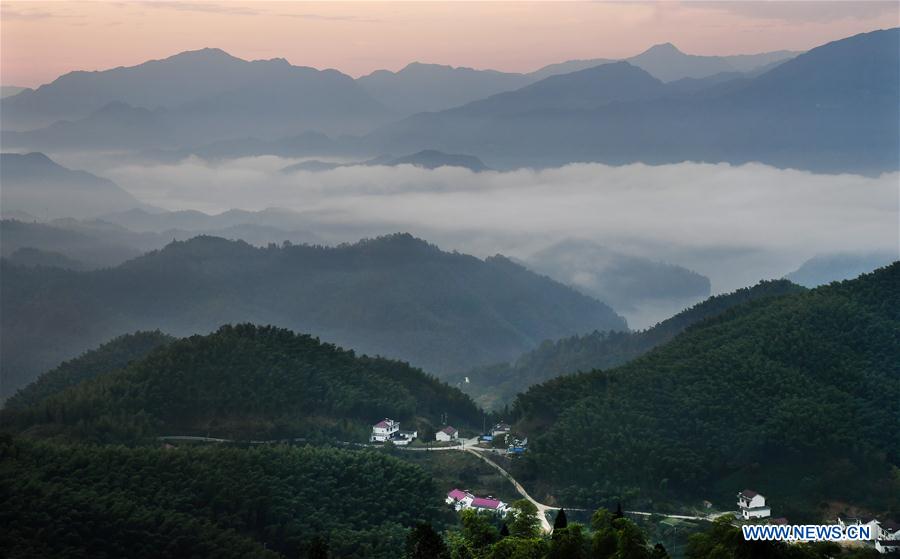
(561, 520)
(619, 513)
(568, 542)
(631, 543)
(504, 530)
(659, 552)
(604, 540)
(318, 548)
(525, 522)
(477, 529)
(423, 542)
(518, 548)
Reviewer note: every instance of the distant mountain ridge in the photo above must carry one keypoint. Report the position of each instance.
(222, 97)
(420, 87)
(831, 109)
(427, 159)
(36, 185)
(217, 96)
(395, 296)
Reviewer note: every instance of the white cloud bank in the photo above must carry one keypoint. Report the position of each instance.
(736, 224)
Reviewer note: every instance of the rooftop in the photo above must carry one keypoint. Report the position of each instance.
(482, 503)
(457, 494)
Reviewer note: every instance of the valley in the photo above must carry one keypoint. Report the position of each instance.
(421, 280)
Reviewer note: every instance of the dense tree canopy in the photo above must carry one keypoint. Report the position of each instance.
(794, 396)
(243, 382)
(496, 385)
(77, 501)
(110, 356)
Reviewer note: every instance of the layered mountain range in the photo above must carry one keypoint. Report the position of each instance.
(827, 110)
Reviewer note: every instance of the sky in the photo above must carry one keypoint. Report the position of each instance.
(41, 40)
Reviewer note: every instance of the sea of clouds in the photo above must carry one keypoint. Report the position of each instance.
(734, 223)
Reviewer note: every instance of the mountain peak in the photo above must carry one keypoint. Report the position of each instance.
(207, 54)
(663, 48)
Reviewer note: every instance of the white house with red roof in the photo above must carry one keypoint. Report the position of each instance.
(448, 433)
(384, 430)
(752, 505)
(462, 500)
(389, 430)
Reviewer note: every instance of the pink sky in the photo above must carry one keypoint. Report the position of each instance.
(41, 40)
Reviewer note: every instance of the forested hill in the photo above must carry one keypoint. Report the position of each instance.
(395, 296)
(244, 382)
(113, 355)
(496, 385)
(792, 396)
(112, 501)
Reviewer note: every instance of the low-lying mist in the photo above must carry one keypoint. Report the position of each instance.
(734, 224)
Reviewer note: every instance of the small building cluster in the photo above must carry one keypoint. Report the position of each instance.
(389, 430)
(497, 430)
(462, 500)
(517, 446)
(752, 505)
(446, 434)
(886, 535)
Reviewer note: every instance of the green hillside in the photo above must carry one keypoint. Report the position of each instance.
(93, 501)
(796, 396)
(395, 296)
(244, 382)
(497, 385)
(110, 356)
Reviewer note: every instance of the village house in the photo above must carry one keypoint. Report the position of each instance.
(462, 500)
(887, 546)
(389, 430)
(752, 505)
(500, 429)
(446, 434)
(459, 499)
(890, 530)
(873, 525)
(384, 430)
(403, 438)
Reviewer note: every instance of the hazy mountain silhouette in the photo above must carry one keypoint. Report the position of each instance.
(396, 296)
(831, 109)
(34, 184)
(625, 282)
(206, 95)
(666, 62)
(91, 249)
(428, 159)
(114, 126)
(432, 87)
(10, 90)
(585, 89)
(121, 236)
(826, 268)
